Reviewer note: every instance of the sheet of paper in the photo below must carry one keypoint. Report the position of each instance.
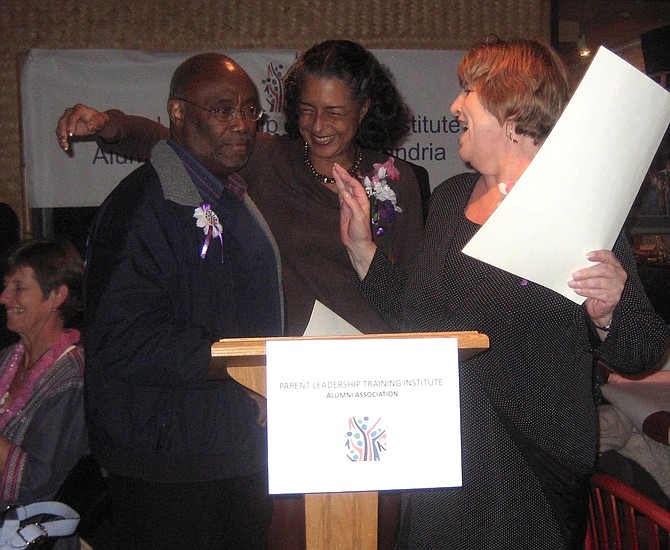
(363, 415)
(576, 193)
(325, 322)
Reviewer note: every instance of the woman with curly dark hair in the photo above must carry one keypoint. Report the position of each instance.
(386, 122)
(342, 107)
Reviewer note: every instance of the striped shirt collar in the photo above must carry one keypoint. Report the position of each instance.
(209, 186)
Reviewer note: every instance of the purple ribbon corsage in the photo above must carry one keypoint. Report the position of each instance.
(207, 219)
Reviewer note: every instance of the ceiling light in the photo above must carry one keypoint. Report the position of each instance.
(583, 49)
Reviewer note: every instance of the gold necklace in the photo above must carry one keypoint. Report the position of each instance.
(329, 180)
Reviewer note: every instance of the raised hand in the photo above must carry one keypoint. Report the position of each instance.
(80, 121)
(355, 231)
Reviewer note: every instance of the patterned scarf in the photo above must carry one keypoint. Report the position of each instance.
(14, 361)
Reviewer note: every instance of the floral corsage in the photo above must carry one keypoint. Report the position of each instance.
(383, 207)
(207, 219)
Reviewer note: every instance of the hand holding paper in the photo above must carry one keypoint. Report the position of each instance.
(603, 283)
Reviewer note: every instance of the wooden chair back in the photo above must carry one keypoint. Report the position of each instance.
(621, 518)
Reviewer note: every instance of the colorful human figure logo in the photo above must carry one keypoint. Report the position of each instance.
(273, 87)
(365, 440)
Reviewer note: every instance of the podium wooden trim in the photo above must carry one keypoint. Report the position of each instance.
(332, 520)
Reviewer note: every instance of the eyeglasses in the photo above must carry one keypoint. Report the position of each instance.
(226, 114)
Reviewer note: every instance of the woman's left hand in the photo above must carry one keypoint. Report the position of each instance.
(601, 284)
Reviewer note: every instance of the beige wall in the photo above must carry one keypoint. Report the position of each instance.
(178, 25)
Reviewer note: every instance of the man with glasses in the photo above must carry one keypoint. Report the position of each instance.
(178, 258)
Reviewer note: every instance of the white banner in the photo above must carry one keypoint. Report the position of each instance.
(137, 82)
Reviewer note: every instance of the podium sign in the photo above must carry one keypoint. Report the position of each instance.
(370, 414)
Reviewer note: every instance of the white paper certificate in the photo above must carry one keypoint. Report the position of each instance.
(325, 322)
(363, 415)
(575, 195)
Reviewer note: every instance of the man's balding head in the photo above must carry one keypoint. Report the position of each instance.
(199, 86)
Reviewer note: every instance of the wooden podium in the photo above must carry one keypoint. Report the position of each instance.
(333, 520)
